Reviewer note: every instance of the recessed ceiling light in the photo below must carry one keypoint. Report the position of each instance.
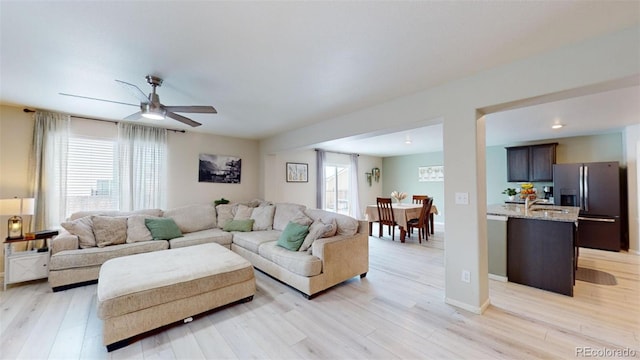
(557, 126)
(407, 140)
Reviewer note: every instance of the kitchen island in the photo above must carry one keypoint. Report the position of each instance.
(541, 244)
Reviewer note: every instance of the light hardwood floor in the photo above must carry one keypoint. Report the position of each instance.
(397, 311)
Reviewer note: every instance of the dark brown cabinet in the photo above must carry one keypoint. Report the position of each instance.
(531, 163)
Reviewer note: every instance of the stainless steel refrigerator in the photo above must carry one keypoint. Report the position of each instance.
(595, 188)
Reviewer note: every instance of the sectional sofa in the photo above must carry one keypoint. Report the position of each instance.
(336, 248)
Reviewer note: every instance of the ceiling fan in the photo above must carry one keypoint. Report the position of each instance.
(150, 106)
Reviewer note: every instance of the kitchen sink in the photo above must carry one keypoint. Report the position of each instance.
(550, 210)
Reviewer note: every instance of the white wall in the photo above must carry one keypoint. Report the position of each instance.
(596, 61)
(277, 189)
(632, 155)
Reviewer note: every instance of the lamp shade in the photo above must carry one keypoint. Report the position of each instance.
(10, 206)
(28, 206)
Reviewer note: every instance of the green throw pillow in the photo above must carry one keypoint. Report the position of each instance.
(163, 228)
(293, 236)
(239, 225)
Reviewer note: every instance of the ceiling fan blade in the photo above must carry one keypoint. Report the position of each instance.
(90, 98)
(134, 116)
(192, 109)
(183, 119)
(135, 91)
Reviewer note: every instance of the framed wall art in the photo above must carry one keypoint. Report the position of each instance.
(297, 172)
(219, 169)
(431, 173)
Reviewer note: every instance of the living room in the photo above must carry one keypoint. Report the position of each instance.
(527, 73)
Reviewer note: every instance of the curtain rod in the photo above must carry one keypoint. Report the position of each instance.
(337, 152)
(94, 119)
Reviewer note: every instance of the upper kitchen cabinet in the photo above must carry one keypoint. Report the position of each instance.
(531, 163)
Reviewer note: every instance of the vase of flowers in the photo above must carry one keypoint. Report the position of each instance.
(398, 195)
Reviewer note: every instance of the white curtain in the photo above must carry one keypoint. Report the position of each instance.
(48, 168)
(141, 166)
(321, 158)
(354, 197)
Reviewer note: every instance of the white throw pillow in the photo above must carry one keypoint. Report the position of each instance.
(226, 212)
(263, 217)
(243, 212)
(286, 212)
(83, 229)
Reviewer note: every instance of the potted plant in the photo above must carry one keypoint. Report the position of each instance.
(511, 193)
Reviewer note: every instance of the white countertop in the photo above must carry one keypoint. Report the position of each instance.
(539, 211)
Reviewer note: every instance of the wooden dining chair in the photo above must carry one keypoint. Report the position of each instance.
(417, 199)
(386, 217)
(421, 223)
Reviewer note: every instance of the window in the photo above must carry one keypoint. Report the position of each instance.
(91, 175)
(337, 188)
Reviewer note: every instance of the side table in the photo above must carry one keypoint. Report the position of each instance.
(28, 265)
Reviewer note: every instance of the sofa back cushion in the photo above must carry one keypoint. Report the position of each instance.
(80, 214)
(346, 224)
(286, 212)
(192, 218)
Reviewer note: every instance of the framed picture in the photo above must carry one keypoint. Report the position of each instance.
(431, 173)
(219, 169)
(297, 172)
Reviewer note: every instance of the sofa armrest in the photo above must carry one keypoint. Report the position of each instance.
(64, 241)
(343, 256)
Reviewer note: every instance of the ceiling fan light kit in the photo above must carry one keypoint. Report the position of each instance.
(150, 106)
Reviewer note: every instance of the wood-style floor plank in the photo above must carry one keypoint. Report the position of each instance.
(396, 312)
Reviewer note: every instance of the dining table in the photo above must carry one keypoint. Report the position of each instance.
(402, 213)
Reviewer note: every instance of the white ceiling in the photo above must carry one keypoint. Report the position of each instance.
(270, 67)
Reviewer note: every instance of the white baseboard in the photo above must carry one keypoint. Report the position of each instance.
(498, 278)
(634, 252)
(465, 306)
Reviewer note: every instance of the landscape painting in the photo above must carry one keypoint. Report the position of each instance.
(219, 169)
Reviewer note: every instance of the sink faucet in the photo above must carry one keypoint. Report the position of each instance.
(528, 203)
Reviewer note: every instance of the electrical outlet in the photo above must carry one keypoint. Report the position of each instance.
(462, 198)
(466, 276)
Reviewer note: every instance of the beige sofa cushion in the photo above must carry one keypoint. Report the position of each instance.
(202, 237)
(286, 212)
(137, 230)
(243, 212)
(109, 230)
(317, 230)
(346, 224)
(192, 218)
(82, 228)
(68, 259)
(298, 262)
(225, 213)
(251, 241)
(263, 217)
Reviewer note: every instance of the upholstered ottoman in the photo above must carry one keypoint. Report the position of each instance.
(142, 292)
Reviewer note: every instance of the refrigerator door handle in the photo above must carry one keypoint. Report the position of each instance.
(586, 188)
(580, 198)
(596, 219)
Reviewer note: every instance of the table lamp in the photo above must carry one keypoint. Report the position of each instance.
(16, 207)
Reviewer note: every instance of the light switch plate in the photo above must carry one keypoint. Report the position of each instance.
(462, 198)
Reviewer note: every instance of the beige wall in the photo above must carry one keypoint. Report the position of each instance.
(632, 157)
(16, 128)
